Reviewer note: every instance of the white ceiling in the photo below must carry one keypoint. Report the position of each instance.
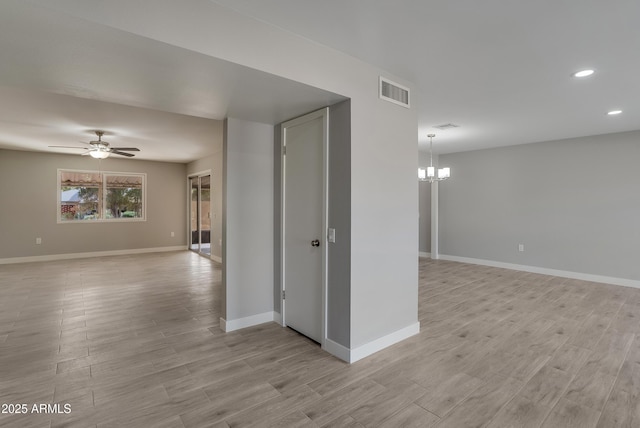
(34, 120)
(498, 68)
(61, 78)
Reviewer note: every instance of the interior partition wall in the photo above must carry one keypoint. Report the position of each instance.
(200, 214)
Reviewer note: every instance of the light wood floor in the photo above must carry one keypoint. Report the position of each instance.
(135, 341)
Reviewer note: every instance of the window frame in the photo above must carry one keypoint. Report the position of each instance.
(102, 197)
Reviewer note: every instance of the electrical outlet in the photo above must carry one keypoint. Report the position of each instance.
(38, 241)
(521, 247)
(173, 234)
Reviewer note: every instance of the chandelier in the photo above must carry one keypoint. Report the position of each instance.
(429, 174)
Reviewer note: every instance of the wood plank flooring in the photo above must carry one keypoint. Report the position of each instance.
(135, 341)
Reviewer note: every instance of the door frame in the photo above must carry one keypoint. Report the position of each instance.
(198, 215)
(324, 114)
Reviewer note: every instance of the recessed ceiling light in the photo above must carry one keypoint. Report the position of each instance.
(583, 73)
(614, 112)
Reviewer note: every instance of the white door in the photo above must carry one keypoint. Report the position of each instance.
(304, 223)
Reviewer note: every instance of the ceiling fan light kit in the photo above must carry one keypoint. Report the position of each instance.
(99, 149)
(99, 154)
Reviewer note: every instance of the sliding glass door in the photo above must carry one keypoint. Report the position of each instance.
(200, 214)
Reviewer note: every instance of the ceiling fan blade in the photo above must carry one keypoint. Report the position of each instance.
(68, 147)
(115, 152)
(129, 149)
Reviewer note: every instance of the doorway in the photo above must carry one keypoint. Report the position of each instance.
(304, 223)
(200, 214)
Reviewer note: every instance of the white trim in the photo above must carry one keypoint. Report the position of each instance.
(283, 176)
(383, 342)
(103, 219)
(424, 254)
(277, 317)
(353, 355)
(199, 173)
(325, 223)
(337, 350)
(434, 219)
(216, 258)
(237, 324)
(67, 256)
(546, 271)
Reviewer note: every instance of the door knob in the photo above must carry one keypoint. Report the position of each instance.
(315, 243)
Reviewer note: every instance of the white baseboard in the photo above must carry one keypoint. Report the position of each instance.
(355, 354)
(69, 256)
(216, 258)
(237, 324)
(546, 271)
(277, 317)
(337, 350)
(383, 342)
(334, 348)
(424, 254)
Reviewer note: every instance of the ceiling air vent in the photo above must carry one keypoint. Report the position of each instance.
(394, 93)
(447, 126)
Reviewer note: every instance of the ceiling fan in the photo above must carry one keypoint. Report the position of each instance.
(101, 150)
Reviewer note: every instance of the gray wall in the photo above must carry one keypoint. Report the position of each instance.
(574, 205)
(213, 163)
(338, 261)
(29, 188)
(277, 218)
(384, 278)
(247, 243)
(424, 208)
(384, 226)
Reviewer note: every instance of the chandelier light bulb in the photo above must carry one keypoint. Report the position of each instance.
(444, 173)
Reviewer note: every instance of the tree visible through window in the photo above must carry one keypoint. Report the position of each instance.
(124, 196)
(100, 196)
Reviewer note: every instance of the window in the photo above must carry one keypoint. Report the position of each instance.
(90, 196)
